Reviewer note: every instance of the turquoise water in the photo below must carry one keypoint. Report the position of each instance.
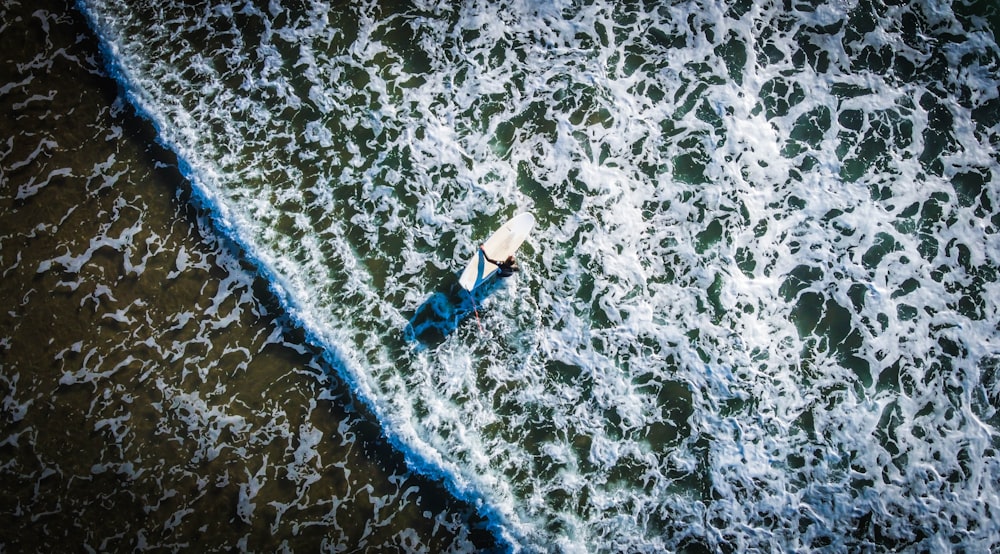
(758, 310)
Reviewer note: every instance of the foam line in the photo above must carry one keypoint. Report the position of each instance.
(398, 431)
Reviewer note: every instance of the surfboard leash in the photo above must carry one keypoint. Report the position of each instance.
(475, 310)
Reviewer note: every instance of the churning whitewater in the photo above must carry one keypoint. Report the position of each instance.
(758, 309)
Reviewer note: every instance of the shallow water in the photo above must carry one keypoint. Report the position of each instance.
(758, 312)
(155, 396)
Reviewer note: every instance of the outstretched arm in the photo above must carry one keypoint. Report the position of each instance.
(494, 262)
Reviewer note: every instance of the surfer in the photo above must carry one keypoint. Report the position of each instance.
(503, 244)
(507, 267)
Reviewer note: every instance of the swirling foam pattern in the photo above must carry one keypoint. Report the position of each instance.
(759, 310)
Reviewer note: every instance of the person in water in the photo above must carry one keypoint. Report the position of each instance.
(507, 267)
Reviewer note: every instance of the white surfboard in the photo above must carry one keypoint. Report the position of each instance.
(504, 242)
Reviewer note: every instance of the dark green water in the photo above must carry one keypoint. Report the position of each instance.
(758, 311)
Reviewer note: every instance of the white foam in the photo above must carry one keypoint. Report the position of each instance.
(686, 354)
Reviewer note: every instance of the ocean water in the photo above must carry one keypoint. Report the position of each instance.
(154, 394)
(758, 311)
